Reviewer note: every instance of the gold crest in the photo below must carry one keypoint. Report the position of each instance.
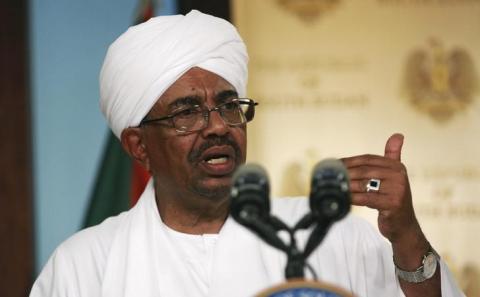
(438, 82)
(308, 10)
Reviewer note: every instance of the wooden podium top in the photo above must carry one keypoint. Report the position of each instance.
(304, 288)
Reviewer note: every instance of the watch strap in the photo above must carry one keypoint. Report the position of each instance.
(422, 273)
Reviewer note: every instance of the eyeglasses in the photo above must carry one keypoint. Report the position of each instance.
(235, 112)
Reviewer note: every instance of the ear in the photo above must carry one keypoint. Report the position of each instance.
(133, 143)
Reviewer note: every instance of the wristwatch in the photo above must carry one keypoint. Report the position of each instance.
(422, 273)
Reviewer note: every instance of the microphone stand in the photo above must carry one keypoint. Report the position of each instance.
(296, 259)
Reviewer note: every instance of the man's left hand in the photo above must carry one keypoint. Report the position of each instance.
(393, 200)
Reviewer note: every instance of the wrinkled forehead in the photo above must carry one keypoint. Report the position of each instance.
(196, 86)
(197, 82)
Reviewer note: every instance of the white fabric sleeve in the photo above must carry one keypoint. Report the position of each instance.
(449, 286)
(75, 268)
(56, 278)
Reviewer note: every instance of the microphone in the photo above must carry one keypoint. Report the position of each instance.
(329, 200)
(250, 193)
(330, 190)
(250, 204)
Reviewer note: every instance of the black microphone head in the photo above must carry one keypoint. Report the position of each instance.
(250, 193)
(330, 190)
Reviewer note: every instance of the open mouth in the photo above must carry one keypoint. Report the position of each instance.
(218, 160)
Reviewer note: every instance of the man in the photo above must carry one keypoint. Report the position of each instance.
(172, 90)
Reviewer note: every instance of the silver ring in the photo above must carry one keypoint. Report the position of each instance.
(373, 185)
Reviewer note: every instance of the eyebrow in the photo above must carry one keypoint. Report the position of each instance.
(197, 100)
(225, 95)
(187, 100)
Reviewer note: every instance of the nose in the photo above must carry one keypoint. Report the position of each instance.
(216, 125)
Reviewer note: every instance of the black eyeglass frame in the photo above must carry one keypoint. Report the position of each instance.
(206, 115)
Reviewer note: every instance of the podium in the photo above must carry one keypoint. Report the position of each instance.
(304, 288)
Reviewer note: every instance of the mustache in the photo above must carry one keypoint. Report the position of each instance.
(195, 154)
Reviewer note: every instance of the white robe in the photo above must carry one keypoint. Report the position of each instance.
(133, 255)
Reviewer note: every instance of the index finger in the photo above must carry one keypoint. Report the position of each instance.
(368, 160)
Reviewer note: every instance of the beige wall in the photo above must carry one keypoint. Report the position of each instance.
(337, 79)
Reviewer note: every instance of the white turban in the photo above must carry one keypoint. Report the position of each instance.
(148, 58)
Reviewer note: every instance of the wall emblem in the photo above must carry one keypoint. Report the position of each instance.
(308, 10)
(438, 82)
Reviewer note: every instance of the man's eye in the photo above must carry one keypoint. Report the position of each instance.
(188, 112)
(230, 105)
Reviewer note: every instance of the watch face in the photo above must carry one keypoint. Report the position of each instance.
(429, 265)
